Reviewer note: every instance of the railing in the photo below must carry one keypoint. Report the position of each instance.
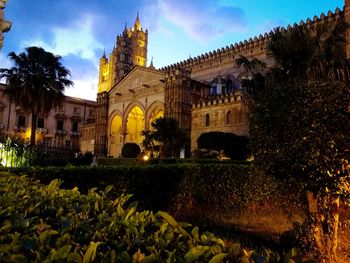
(60, 132)
(74, 133)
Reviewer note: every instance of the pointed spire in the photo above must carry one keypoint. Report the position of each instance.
(137, 24)
(104, 54)
(151, 65)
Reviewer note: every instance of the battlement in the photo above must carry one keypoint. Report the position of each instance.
(250, 47)
(227, 98)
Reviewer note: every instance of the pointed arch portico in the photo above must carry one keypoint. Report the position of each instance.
(154, 111)
(115, 133)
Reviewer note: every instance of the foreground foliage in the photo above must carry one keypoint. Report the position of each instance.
(45, 223)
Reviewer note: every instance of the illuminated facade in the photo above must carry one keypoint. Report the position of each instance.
(202, 93)
(4, 25)
(61, 127)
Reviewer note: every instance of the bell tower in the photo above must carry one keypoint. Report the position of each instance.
(131, 49)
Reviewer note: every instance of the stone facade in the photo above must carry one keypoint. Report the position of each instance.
(202, 93)
(61, 127)
(4, 25)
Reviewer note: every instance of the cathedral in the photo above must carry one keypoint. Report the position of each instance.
(202, 93)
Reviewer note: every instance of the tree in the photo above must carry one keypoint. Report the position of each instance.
(36, 82)
(167, 134)
(299, 123)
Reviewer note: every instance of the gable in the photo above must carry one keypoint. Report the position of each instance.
(138, 79)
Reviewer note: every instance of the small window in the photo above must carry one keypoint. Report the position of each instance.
(59, 125)
(40, 123)
(60, 108)
(21, 121)
(207, 119)
(91, 113)
(75, 126)
(214, 90)
(76, 110)
(229, 117)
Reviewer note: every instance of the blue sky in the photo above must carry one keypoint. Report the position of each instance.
(79, 30)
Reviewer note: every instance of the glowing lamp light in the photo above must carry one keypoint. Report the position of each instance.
(145, 158)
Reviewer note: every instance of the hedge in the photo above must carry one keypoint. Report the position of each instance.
(225, 187)
(47, 224)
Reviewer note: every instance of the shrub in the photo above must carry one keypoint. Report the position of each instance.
(169, 186)
(46, 223)
(131, 150)
(234, 146)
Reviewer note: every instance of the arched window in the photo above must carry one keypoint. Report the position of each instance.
(229, 117)
(207, 119)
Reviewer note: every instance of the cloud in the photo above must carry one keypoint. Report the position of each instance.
(77, 40)
(85, 88)
(203, 20)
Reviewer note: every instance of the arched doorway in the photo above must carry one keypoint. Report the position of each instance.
(135, 125)
(115, 136)
(155, 114)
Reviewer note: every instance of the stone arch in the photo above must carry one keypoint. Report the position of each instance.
(155, 111)
(134, 124)
(115, 133)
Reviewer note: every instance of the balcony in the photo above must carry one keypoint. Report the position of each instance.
(20, 129)
(74, 133)
(60, 132)
(41, 130)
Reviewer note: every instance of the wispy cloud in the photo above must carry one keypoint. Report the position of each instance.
(77, 40)
(203, 20)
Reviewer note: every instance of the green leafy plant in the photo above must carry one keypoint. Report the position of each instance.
(45, 224)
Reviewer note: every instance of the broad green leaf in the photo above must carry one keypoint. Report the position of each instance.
(195, 253)
(124, 257)
(91, 252)
(149, 259)
(75, 257)
(218, 258)
(61, 253)
(168, 218)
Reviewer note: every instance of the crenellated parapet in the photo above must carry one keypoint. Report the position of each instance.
(252, 47)
(222, 99)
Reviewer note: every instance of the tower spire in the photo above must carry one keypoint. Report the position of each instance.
(151, 66)
(137, 24)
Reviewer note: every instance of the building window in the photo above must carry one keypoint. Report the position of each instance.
(75, 126)
(207, 119)
(229, 117)
(59, 125)
(60, 108)
(40, 123)
(76, 110)
(67, 143)
(91, 113)
(21, 121)
(214, 90)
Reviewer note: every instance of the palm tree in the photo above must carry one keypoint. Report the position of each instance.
(252, 79)
(36, 82)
